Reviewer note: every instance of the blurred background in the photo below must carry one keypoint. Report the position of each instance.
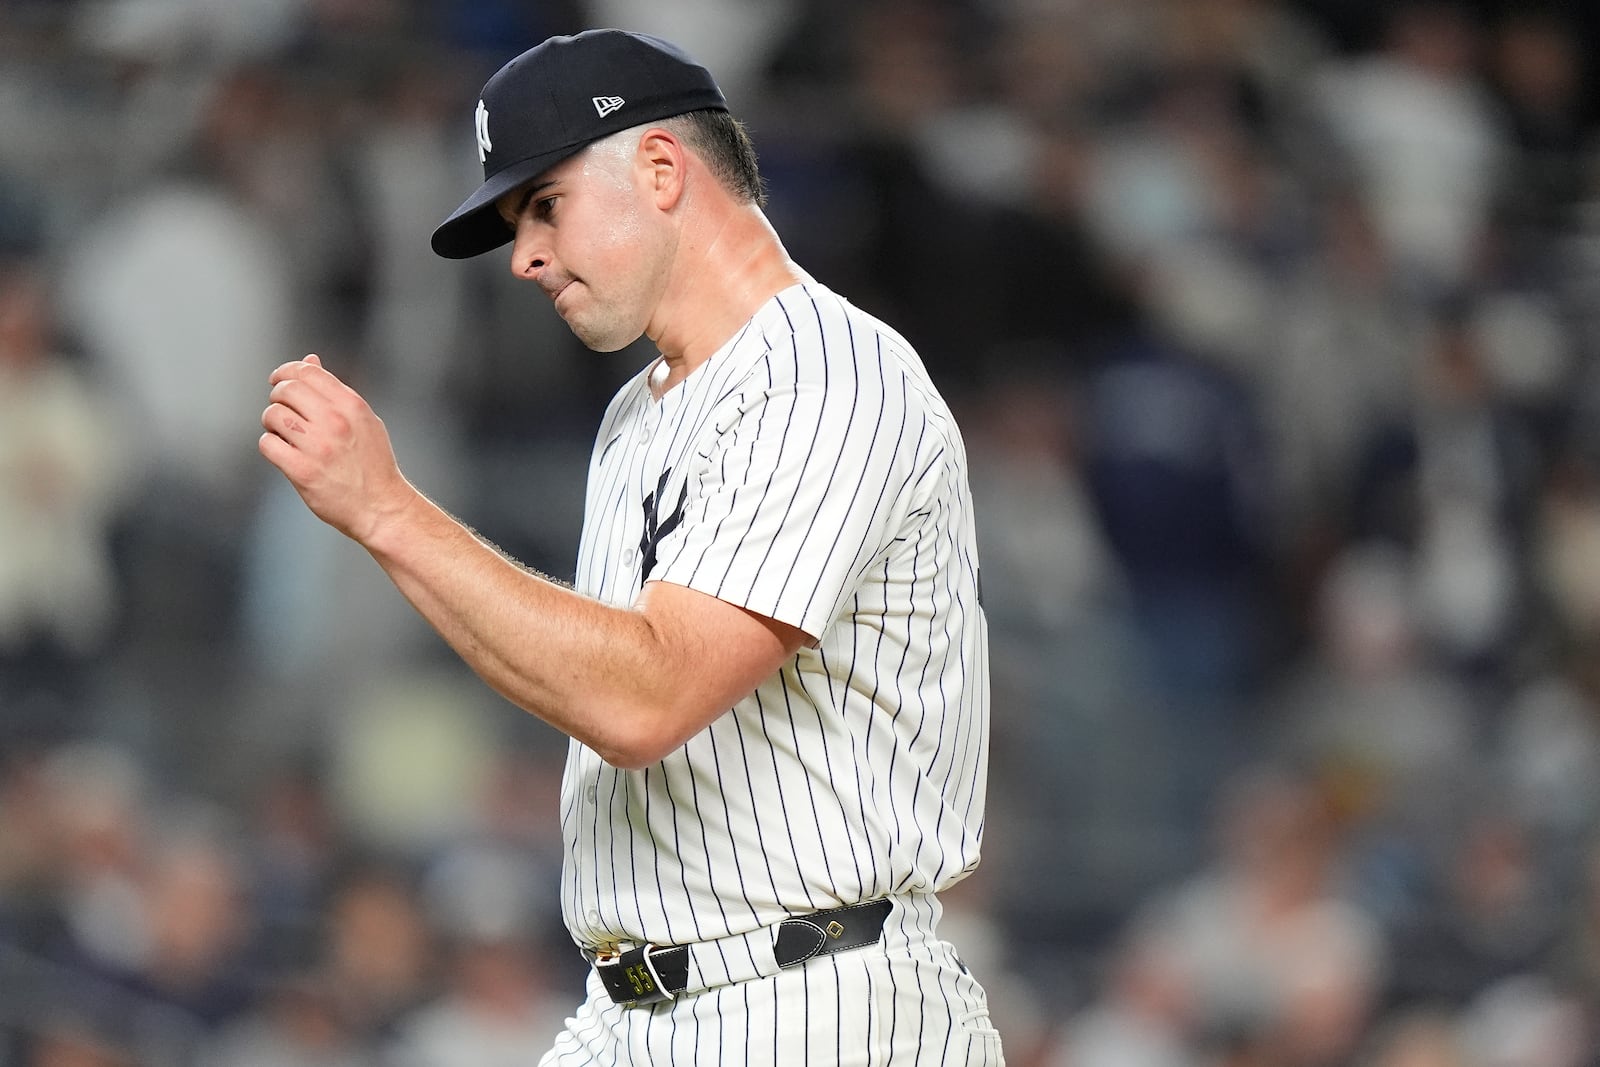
(1274, 329)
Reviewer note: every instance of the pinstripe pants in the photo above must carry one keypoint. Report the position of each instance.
(887, 1005)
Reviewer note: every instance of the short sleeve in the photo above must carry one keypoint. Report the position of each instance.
(801, 483)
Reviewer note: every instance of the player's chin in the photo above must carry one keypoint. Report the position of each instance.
(601, 337)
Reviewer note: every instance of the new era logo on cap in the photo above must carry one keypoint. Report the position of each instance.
(539, 117)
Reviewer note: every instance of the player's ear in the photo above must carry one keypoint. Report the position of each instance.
(663, 159)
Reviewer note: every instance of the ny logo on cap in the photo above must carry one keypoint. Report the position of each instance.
(605, 105)
(481, 119)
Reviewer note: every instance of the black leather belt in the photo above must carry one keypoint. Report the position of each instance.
(654, 973)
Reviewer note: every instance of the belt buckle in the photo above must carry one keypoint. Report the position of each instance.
(630, 977)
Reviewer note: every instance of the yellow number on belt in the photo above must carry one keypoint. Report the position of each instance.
(639, 975)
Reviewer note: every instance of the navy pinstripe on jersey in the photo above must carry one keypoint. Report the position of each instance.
(810, 472)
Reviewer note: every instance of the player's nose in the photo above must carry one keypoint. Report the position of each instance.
(529, 256)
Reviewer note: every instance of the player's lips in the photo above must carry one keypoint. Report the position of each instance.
(554, 292)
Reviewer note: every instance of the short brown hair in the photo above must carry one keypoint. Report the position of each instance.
(723, 144)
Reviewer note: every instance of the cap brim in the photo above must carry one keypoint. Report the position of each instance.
(476, 227)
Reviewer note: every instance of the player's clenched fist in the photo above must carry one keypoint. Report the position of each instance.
(332, 447)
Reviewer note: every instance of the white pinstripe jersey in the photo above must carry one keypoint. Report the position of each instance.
(809, 472)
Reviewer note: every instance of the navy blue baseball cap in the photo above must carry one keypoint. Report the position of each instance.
(551, 101)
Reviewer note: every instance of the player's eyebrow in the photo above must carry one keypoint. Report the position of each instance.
(522, 201)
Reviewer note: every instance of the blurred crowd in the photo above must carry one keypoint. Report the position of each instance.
(1274, 329)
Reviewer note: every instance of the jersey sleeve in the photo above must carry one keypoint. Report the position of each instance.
(801, 483)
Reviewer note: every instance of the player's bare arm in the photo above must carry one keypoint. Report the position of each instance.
(631, 683)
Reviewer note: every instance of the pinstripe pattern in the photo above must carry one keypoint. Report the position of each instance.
(815, 477)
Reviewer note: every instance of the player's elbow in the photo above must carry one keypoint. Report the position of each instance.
(632, 759)
(643, 736)
(635, 756)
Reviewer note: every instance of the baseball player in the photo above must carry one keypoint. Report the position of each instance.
(773, 665)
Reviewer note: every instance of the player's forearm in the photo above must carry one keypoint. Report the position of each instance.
(598, 673)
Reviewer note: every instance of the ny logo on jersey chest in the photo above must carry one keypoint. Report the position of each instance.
(654, 528)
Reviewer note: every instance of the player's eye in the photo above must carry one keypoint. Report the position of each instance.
(543, 209)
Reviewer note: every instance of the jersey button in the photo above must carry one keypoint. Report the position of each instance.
(592, 792)
(592, 917)
(629, 555)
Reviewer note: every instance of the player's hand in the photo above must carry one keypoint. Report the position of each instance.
(332, 447)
